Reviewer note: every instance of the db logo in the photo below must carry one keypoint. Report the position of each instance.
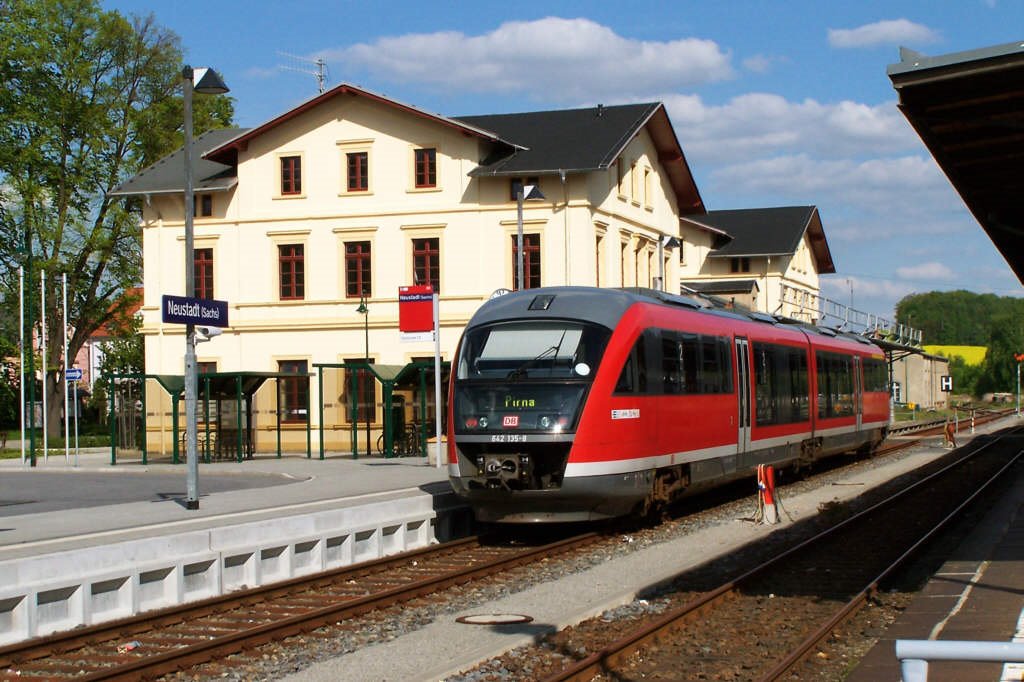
(510, 420)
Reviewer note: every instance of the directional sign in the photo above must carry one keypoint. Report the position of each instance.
(184, 310)
(946, 383)
(73, 374)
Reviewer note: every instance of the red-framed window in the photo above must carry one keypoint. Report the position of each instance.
(516, 183)
(426, 262)
(294, 394)
(358, 171)
(426, 167)
(203, 264)
(292, 264)
(291, 175)
(531, 261)
(366, 400)
(357, 269)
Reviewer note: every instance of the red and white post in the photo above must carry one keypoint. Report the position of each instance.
(766, 494)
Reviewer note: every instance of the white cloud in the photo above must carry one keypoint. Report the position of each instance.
(756, 124)
(888, 32)
(907, 191)
(926, 271)
(568, 60)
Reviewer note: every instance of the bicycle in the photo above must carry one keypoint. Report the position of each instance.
(408, 444)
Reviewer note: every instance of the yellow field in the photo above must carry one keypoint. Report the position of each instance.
(972, 355)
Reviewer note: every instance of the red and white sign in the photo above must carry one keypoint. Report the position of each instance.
(510, 421)
(416, 312)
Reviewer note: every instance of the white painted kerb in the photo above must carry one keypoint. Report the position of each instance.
(62, 590)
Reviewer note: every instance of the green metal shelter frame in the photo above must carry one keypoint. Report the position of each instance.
(217, 386)
(389, 377)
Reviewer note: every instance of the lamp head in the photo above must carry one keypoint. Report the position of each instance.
(532, 193)
(206, 81)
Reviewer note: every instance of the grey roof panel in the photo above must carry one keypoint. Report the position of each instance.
(167, 176)
(759, 231)
(572, 140)
(605, 309)
(717, 286)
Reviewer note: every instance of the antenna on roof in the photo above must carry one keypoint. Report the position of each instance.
(320, 73)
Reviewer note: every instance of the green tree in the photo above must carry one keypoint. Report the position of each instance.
(950, 317)
(88, 98)
(999, 371)
(965, 377)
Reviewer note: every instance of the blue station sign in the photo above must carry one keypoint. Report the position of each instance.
(200, 311)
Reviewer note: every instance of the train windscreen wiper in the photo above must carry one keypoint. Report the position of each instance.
(520, 371)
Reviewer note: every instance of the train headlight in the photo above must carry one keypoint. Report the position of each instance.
(471, 423)
(482, 422)
(545, 422)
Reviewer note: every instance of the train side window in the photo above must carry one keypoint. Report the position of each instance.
(716, 365)
(690, 353)
(671, 362)
(633, 378)
(835, 384)
(800, 394)
(780, 374)
(876, 376)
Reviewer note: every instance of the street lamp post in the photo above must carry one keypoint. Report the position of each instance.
(207, 82)
(523, 193)
(365, 312)
(666, 242)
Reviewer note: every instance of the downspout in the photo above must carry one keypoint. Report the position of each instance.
(565, 224)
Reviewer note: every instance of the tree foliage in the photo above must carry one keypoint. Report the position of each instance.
(965, 318)
(89, 98)
(950, 317)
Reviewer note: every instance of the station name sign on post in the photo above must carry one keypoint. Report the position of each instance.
(416, 312)
(198, 311)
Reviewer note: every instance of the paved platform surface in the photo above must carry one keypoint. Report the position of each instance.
(977, 595)
(68, 506)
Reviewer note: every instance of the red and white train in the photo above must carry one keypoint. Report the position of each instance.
(578, 403)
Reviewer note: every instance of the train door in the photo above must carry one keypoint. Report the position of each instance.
(743, 388)
(858, 391)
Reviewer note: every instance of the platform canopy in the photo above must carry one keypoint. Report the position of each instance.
(968, 108)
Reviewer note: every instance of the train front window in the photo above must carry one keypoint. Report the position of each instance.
(530, 350)
(525, 377)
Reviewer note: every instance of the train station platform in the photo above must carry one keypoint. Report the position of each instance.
(83, 541)
(977, 595)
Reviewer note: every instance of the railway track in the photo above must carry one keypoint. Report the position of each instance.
(165, 641)
(180, 638)
(765, 623)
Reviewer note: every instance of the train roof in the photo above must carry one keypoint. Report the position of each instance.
(607, 306)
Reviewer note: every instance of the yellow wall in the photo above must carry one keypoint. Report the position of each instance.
(473, 218)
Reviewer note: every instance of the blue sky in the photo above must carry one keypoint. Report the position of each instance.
(775, 103)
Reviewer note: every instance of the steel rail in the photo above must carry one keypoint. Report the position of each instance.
(58, 642)
(613, 654)
(800, 652)
(219, 647)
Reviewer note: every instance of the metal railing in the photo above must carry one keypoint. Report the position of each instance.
(802, 304)
(914, 654)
